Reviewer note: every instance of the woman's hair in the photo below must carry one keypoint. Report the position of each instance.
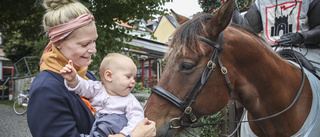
(61, 11)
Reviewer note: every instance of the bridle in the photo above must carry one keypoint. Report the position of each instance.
(186, 104)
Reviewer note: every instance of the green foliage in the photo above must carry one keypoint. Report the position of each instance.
(108, 12)
(211, 131)
(140, 89)
(206, 131)
(23, 16)
(17, 46)
(211, 6)
(20, 24)
(7, 103)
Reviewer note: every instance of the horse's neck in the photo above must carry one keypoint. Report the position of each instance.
(266, 84)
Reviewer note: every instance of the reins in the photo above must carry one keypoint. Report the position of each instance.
(187, 107)
(191, 97)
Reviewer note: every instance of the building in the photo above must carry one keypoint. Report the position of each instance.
(150, 52)
(6, 70)
(166, 27)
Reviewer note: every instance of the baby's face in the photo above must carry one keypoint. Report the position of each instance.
(123, 78)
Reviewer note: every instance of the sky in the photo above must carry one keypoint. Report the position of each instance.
(184, 7)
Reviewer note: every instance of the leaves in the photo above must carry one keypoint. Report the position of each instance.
(23, 35)
(210, 6)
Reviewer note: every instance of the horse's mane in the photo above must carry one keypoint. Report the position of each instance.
(186, 37)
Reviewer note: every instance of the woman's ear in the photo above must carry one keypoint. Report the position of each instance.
(108, 75)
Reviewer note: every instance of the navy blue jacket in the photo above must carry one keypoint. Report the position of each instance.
(53, 111)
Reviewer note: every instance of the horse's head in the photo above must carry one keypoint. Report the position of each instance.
(188, 63)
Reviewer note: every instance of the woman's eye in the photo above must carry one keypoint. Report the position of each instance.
(185, 66)
(85, 44)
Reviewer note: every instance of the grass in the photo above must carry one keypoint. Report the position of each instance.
(6, 102)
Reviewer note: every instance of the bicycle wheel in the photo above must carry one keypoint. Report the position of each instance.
(20, 105)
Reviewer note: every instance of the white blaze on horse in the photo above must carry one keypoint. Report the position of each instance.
(211, 62)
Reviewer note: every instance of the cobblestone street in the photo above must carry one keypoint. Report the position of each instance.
(12, 125)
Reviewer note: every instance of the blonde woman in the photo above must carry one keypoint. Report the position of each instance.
(52, 109)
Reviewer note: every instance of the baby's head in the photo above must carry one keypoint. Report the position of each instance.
(118, 72)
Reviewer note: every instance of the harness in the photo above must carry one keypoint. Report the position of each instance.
(187, 103)
(291, 55)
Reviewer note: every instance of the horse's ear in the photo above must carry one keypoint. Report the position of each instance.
(179, 18)
(221, 19)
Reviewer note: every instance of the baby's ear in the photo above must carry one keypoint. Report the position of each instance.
(108, 75)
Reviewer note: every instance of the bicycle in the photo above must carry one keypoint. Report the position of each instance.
(20, 104)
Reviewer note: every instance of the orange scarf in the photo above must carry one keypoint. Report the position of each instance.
(55, 61)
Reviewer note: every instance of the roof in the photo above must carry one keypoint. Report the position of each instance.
(173, 21)
(149, 47)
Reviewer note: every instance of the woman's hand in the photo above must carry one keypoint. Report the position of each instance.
(146, 128)
(117, 135)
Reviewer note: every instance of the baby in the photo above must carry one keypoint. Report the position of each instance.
(117, 110)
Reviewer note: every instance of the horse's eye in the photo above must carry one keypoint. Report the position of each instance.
(185, 66)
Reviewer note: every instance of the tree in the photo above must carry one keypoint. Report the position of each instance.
(24, 18)
(20, 23)
(106, 13)
(210, 6)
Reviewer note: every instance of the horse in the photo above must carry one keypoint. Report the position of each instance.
(210, 61)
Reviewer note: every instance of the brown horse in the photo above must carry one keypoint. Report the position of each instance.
(252, 73)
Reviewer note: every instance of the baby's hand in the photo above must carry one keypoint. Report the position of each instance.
(68, 72)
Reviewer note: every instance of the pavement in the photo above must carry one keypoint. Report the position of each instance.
(12, 125)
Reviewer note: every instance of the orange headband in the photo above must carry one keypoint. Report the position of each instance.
(59, 32)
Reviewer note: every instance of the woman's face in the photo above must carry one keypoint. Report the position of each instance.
(80, 45)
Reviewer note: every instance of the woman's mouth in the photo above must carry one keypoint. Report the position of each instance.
(86, 57)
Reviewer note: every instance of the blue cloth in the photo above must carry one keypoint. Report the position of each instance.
(108, 124)
(53, 111)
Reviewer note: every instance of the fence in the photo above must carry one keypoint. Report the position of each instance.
(21, 83)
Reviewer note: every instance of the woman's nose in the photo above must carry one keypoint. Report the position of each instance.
(92, 49)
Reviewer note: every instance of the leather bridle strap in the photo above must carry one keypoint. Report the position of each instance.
(187, 110)
(167, 95)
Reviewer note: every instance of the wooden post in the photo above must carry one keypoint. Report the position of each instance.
(149, 73)
(142, 71)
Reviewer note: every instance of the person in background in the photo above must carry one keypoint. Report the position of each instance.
(52, 109)
(117, 110)
(286, 22)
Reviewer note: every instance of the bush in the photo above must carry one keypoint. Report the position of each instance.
(140, 89)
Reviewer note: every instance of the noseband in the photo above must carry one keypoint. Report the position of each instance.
(186, 104)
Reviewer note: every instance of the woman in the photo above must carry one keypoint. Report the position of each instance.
(52, 109)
